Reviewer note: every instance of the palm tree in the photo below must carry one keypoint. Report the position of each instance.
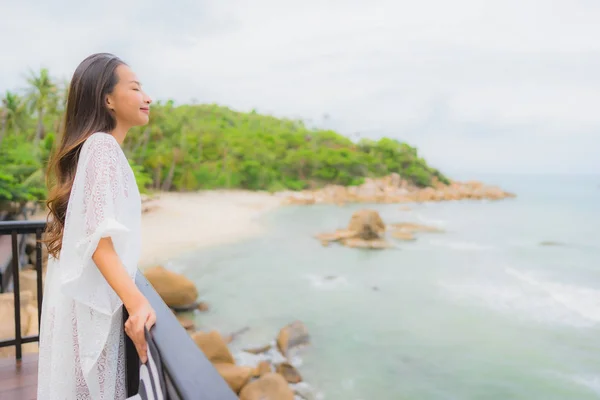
(41, 96)
(12, 114)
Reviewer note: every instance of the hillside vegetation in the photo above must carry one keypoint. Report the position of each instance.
(192, 147)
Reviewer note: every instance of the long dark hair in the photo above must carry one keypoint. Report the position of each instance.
(87, 113)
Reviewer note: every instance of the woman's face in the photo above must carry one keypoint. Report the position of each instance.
(130, 105)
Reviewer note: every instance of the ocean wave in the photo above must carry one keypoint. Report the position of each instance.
(583, 301)
(327, 282)
(530, 298)
(439, 223)
(591, 382)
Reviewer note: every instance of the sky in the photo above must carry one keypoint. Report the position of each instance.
(508, 86)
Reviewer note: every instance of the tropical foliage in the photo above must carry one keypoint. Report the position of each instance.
(192, 147)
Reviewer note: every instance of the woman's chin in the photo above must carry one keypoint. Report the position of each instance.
(143, 120)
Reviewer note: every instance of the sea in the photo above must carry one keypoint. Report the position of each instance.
(504, 304)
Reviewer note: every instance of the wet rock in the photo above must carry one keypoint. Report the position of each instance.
(294, 334)
(365, 230)
(236, 376)
(213, 346)
(289, 372)
(187, 323)
(367, 225)
(258, 350)
(271, 386)
(263, 368)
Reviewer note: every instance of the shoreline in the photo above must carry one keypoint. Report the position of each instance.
(177, 222)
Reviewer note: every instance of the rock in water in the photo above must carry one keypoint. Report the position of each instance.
(271, 386)
(214, 347)
(289, 372)
(187, 323)
(366, 230)
(294, 334)
(403, 235)
(258, 350)
(412, 228)
(175, 289)
(263, 368)
(367, 224)
(236, 376)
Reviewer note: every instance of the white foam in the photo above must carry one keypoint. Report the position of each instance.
(591, 382)
(440, 223)
(581, 300)
(327, 283)
(531, 298)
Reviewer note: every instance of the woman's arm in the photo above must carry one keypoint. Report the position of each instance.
(140, 311)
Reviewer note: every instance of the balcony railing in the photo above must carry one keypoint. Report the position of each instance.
(10, 274)
(188, 373)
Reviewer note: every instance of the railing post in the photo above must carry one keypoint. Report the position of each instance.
(38, 268)
(17, 295)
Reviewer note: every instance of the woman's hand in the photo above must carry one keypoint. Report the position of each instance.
(141, 315)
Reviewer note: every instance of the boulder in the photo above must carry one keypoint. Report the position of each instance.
(289, 372)
(236, 376)
(294, 334)
(175, 289)
(365, 230)
(258, 350)
(187, 323)
(263, 368)
(271, 386)
(367, 224)
(213, 346)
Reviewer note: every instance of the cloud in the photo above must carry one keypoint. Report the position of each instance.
(498, 86)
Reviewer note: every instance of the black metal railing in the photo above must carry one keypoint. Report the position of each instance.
(16, 228)
(189, 374)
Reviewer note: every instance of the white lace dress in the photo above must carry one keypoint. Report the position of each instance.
(81, 353)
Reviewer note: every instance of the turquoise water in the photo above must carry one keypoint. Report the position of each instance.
(481, 311)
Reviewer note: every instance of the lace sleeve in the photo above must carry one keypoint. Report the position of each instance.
(94, 208)
(102, 186)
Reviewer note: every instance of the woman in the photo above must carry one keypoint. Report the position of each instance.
(93, 239)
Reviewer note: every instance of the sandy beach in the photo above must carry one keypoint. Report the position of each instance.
(181, 222)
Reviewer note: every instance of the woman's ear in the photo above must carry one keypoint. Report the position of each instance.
(108, 102)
